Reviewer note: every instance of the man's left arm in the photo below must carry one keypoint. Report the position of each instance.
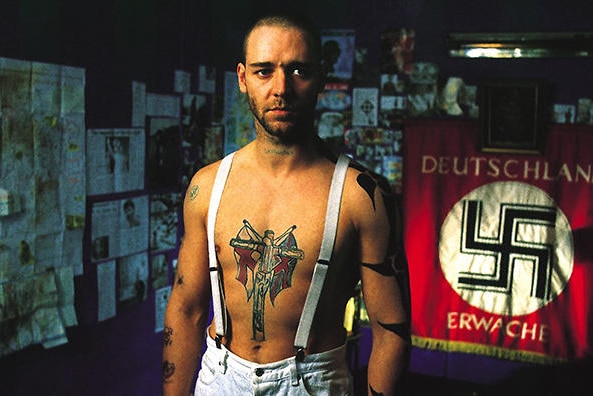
(385, 288)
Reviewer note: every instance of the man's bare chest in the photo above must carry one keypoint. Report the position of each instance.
(270, 234)
(274, 205)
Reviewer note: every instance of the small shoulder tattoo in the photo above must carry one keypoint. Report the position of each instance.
(193, 192)
(368, 184)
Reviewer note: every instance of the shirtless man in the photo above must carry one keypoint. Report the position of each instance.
(268, 232)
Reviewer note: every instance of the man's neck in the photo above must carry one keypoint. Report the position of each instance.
(282, 158)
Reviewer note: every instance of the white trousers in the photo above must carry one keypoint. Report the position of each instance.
(224, 373)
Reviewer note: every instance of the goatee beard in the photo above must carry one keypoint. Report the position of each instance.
(296, 133)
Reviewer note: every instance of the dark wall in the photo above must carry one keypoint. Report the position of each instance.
(146, 40)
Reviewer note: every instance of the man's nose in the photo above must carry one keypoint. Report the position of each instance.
(281, 83)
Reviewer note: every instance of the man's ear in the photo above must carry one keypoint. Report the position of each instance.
(241, 77)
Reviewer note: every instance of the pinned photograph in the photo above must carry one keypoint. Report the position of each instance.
(584, 111)
(397, 50)
(338, 53)
(365, 106)
(564, 113)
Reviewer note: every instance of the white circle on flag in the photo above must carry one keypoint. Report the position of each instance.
(507, 248)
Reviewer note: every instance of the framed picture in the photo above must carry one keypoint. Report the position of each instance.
(512, 116)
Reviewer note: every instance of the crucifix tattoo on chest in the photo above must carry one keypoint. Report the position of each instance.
(264, 264)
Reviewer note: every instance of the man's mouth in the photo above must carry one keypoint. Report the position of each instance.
(280, 112)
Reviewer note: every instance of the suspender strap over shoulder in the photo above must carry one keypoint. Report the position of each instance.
(217, 294)
(327, 245)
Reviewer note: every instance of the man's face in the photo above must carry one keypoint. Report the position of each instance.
(281, 79)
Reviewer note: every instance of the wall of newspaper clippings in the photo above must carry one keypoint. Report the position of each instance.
(42, 201)
(90, 217)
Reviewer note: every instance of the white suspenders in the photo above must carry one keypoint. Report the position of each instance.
(320, 271)
(327, 246)
(217, 297)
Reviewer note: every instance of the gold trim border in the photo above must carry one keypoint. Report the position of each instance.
(486, 350)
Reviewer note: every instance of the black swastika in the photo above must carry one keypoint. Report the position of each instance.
(508, 246)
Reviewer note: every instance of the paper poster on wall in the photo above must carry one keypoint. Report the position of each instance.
(133, 279)
(182, 82)
(115, 160)
(42, 170)
(206, 79)
(331, 125)
(338, 53)
(138, 104)
(584, 111)
(365, 106)
(65, 287)
(17, 171)
(213, 143)
(30, 310)
(238, 119)
(73, 170)
(563, 113)
(422, 89)
(164, 220)
(397, 50)
(106, 290)
(159, 273)
(174, 263)
(161, 297)
(48, 146)
(48, 250)
(194, 115)
(163, 164)
(119, 227)
(162, 105)
(74, 247)
(72, 150)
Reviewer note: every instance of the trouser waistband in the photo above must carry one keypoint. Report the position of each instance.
(276, 370)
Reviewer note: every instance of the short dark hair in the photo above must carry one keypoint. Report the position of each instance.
(289, 20)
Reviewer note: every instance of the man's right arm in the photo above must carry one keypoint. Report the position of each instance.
(187, 311)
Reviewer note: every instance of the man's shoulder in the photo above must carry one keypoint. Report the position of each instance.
(206, 174)
(367, 179)
(367, 196)
(200, 187)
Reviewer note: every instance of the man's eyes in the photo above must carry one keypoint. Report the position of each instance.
(264, 72)
(301, 72)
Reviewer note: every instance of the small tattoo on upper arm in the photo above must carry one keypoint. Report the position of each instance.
(193, 192)
(385, 268)
(401, 329)
(167, 336)
(374, 392)
(168, 370)
(179, 280)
